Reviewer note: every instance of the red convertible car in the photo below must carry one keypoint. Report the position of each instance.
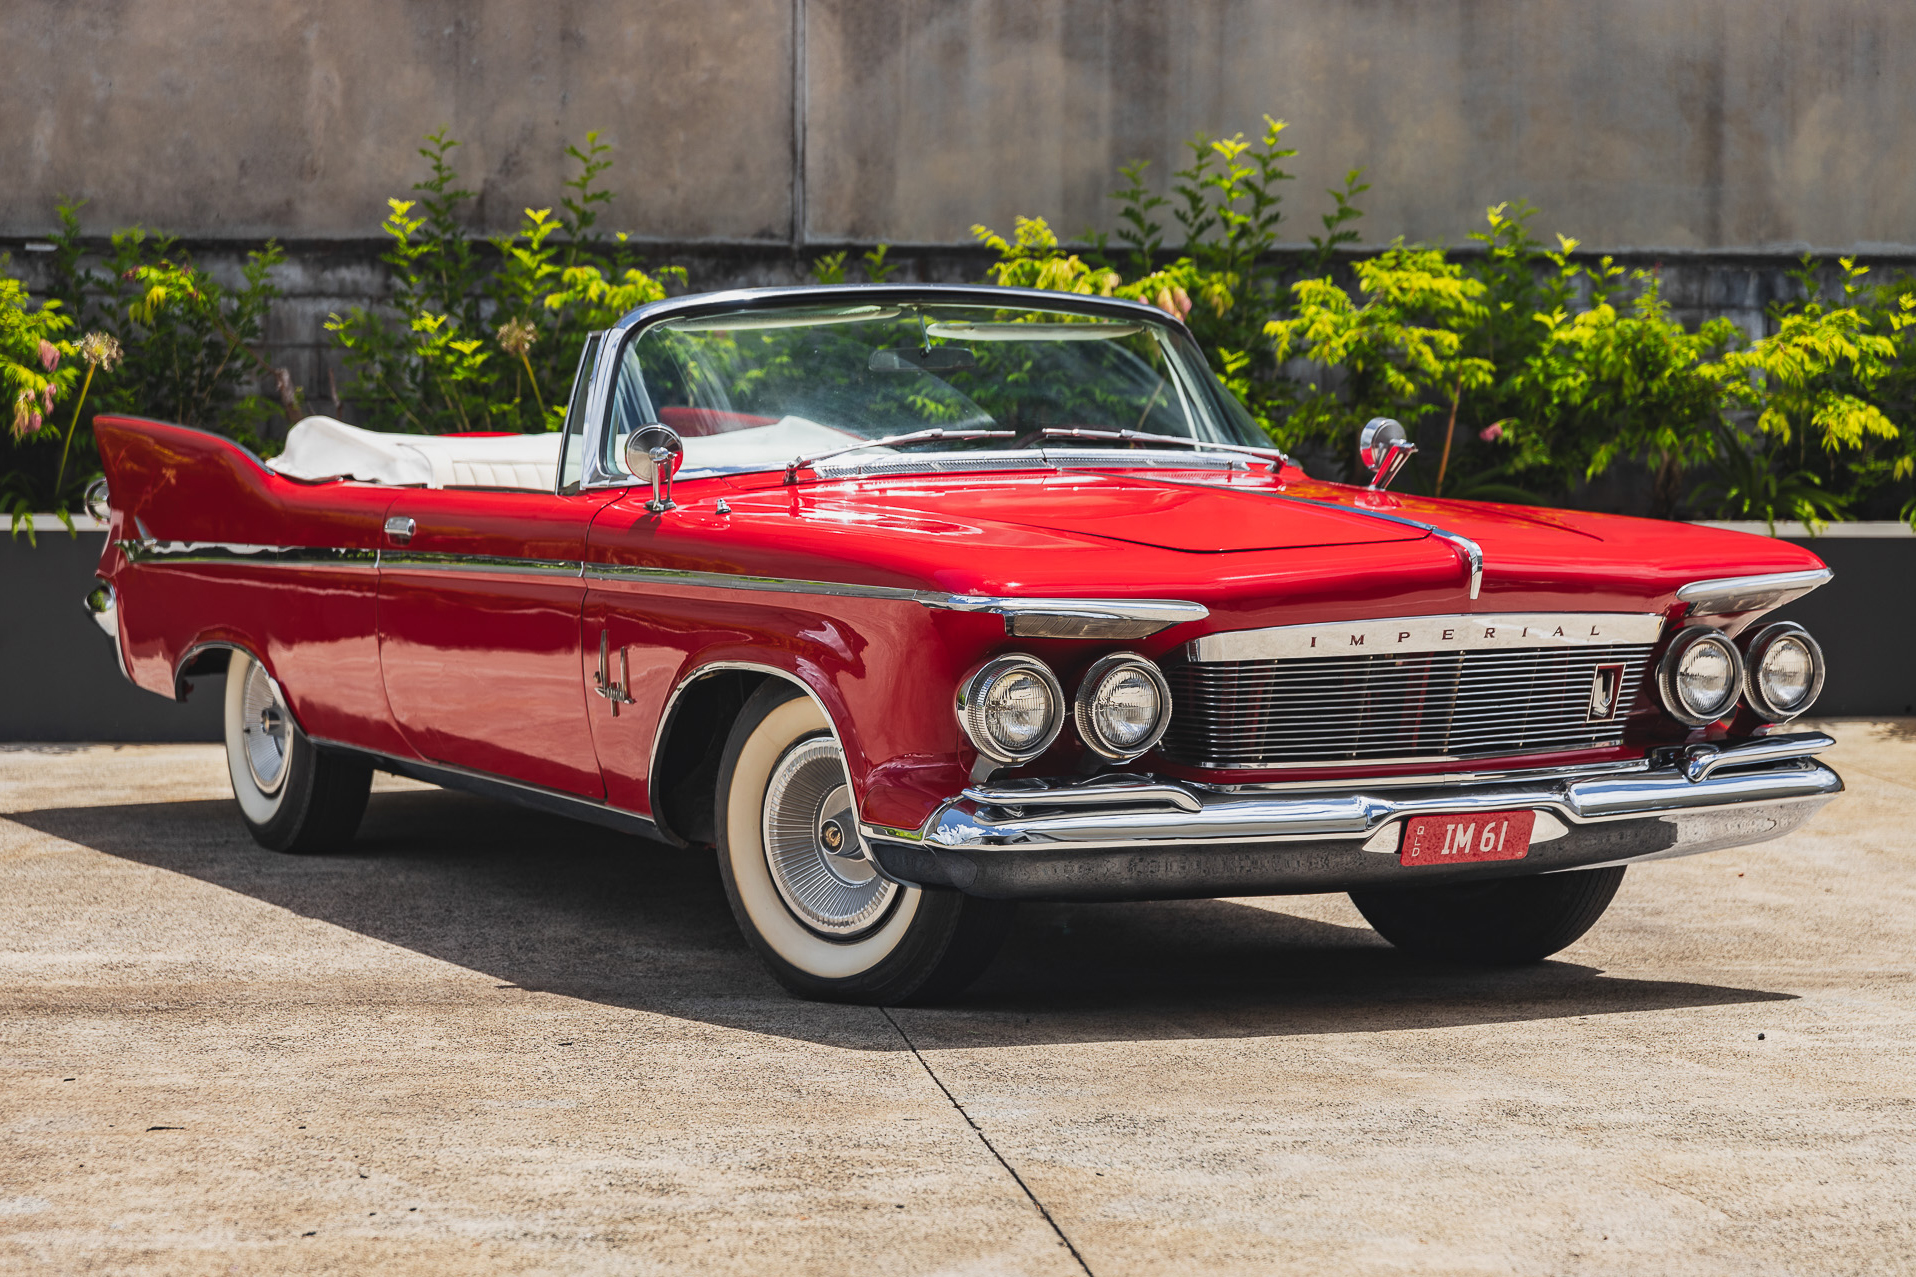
(917, 601)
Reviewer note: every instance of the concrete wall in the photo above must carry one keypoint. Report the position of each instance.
(1665, 125)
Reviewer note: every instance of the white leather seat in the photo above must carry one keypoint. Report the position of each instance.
(320, 448)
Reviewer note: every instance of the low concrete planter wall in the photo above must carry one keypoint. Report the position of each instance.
(58, 681)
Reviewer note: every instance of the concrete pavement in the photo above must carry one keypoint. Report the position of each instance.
(486, 1040)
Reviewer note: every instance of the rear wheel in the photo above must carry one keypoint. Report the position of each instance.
(1512, 920)
(292, 795)
(817, 912)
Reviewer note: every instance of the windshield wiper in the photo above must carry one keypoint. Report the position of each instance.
(916, 436)
(1126, 436)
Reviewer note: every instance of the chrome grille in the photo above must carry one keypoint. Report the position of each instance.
(1430, 705)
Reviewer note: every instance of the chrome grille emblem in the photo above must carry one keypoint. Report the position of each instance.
(1606, 684)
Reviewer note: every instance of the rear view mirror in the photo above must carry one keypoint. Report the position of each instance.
(915, 359)
(653, 454)
(1382, 449)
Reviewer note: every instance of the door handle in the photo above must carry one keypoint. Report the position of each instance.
(602, 684)
(399, 528)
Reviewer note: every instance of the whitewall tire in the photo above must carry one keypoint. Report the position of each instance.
(293, 796)
(818, 913)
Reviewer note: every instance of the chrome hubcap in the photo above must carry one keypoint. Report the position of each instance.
(811, 844)
(265, 730)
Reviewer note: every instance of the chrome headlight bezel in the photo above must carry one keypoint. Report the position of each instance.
(1084, 705)
(1668, 669)
(974, 708)
(1760, 701)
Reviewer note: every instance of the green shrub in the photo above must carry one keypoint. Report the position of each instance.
(476, 341)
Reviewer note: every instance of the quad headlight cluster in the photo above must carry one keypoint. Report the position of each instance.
(1013, 707)
(1778, 673)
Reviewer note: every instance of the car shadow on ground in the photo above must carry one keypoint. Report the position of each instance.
(552, 905)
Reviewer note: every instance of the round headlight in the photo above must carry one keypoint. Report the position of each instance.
(1123, 706)
(1784, 671)
(1700, 676)
(1012, 708)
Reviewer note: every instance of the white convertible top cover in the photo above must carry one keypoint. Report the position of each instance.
(320, 448)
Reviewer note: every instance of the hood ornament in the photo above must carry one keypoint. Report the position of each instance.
(1383, 448)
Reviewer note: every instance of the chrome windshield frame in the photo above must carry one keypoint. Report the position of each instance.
(692, 305)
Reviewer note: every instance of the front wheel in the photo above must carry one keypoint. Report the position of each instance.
(819, 914)
(292, 795)
(1509, 921)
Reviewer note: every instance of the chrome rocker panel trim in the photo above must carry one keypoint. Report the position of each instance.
(1119, 838)
(504, 789)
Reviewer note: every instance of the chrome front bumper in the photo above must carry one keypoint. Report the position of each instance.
(1140, 837)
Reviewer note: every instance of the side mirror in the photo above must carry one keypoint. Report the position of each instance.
(653, 454)
(1383, 448)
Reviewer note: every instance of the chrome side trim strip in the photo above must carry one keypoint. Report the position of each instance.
(425, 561)
(1097, 618)
(735, 581)
(1750, 593)
(151, 551)
(1421, 634)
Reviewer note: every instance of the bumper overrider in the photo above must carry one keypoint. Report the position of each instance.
(1138, 837)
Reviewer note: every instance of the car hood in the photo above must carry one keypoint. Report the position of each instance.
(1195, 517)
(1251, 547)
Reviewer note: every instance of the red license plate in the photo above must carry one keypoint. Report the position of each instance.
(1451, 840)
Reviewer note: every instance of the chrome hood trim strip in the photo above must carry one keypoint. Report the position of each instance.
(1425, 634)
(1467, 550)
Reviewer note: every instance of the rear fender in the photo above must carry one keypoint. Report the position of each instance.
(208, 550)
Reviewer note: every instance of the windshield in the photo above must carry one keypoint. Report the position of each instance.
(754, 389)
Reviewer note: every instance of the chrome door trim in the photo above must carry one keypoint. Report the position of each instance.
(1460, 632)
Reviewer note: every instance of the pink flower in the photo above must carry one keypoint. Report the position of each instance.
(46, 395)
(49, 355)
(1492, 432)
(1183, 300)
(33, 423)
